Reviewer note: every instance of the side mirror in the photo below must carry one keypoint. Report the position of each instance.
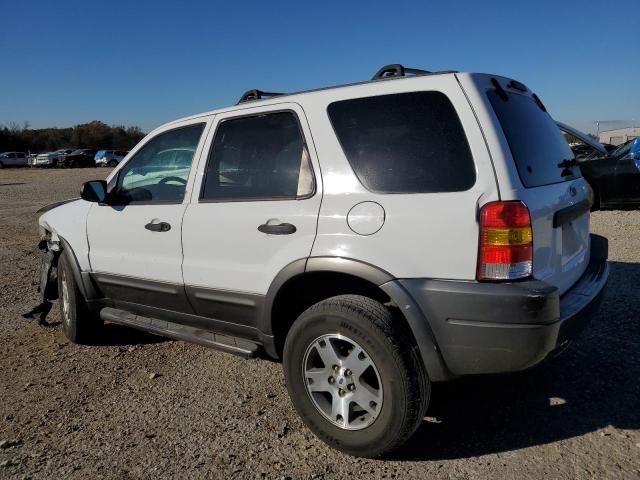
(94, 191)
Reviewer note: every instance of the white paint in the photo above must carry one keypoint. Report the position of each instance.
(366, 218)
(417, 235)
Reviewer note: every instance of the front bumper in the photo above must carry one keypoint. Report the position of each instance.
(504, 327)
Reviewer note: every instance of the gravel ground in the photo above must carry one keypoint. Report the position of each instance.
(140, 406)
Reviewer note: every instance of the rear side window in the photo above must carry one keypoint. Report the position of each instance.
(404, 143)
(537, 144)
(259, 157)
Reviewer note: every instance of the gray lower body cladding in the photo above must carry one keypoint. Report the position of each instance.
(484, 328)
(461, 328)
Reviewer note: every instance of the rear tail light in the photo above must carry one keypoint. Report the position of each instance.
(506, 241)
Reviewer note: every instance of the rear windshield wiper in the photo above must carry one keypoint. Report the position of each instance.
(566, 165)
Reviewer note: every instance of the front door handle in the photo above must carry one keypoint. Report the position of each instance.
(280, 229)
(158, 226)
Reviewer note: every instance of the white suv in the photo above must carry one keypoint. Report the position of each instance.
(376, 237)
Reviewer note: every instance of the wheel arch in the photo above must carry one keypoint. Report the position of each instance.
(305, 282)
(83, 279)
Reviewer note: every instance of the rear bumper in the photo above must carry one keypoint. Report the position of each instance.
(504, 327)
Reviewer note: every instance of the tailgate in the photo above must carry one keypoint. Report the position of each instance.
(546, 179)
(560, 224)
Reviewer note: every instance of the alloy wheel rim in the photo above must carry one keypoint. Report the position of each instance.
(65, 298)
(342, 382)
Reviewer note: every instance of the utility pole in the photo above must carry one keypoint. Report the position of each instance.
(604, 122)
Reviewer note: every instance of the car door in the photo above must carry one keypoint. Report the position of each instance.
(255, 213)
(135, 239)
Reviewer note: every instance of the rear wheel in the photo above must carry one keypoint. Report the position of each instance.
(112, 163)
(79, 325)
(354, 376)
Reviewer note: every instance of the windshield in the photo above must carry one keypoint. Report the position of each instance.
(537, 144)
(623, 149)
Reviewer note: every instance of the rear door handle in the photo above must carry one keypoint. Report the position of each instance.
(158, 226)
(280, 229)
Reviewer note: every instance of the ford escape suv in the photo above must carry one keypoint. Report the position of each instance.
(376, 237)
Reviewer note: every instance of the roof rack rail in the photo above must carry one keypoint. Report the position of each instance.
(397, 70)
(256, 94)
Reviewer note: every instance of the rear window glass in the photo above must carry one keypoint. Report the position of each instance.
(537, 144)
(404, 143)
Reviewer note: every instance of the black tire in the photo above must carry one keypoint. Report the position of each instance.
(78, 323)
(390, 346)
(112, 163)
(1, 165)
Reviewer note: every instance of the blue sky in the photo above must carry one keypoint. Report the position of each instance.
(144, 63)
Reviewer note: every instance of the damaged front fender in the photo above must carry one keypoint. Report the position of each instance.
(48, 287)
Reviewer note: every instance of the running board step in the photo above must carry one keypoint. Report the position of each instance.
(179, 331)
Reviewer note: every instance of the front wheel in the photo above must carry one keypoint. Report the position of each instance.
(354, 375)
(78, 323)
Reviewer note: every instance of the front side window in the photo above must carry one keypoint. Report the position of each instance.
(404, 143)
(258, 157)
(158, 172)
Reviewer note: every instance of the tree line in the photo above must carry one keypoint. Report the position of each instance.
(96, 134)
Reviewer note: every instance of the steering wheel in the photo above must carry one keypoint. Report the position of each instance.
(172, 179)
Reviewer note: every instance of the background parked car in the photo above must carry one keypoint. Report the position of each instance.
(13, 159)
(614, 177)
(109, 158)
(83, 157)
(51, 159)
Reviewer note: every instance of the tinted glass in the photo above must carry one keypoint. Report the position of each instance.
(536, 142)
(158, 172)
(405, 143)
(622, 150)
(257, 158)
